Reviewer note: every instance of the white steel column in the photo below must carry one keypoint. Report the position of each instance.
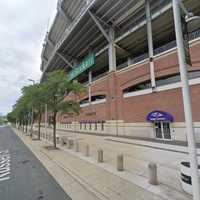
(129, 61)
(186, 101)
(150, 43)
(89, 86)
(112, 51)
(110, 37)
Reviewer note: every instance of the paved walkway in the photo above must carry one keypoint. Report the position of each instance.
(137, 155)
(136, 162)
(87, 182)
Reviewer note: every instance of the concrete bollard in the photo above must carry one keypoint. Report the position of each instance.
(69, 144)
(153, 173)
(120, 163)
(57, 139)
(77, 146)
(87, 151)
(100, 156)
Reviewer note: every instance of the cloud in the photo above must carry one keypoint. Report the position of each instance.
(23, 25)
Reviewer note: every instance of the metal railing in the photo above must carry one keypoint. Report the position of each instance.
(166, 47)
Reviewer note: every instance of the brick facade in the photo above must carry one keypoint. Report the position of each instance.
(135, 109)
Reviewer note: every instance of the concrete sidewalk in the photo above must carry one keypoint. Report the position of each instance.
(83, 180)
(105, 179)
(137, 155)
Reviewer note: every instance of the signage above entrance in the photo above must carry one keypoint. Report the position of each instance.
(159, 116)
(85, 64)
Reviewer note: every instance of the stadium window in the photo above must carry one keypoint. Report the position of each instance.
(98, 98)
(161, 81)
(175, 78)
(137, 87)
(94, 99)
(84, 101)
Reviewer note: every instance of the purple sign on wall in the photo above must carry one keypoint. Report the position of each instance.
(158, 115)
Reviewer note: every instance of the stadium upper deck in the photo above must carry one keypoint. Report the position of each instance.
(83, 26)
(93, 40)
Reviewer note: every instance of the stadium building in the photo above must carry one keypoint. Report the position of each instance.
(125, 53)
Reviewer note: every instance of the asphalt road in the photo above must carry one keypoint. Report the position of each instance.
(22, 176)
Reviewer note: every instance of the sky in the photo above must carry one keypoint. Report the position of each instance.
(23, 25)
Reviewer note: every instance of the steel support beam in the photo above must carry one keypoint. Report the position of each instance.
(137, 27)
(110, 37)
(89, 86)
(50, 42)
(122, 50)
(103, 31)
(184, 8)
(64, 59)
(150, 43)
(59, 54)
(63, 13)
(44, 59)
(112, 51)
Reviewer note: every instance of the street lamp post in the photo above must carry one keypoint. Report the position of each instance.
(186, 100)
(32, 112)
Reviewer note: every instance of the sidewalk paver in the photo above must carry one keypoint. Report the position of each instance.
(102, 184)
(136, 156)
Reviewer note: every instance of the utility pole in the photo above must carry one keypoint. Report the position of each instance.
(186, 100)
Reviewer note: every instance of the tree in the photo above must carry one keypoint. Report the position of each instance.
(11, 117)
(55, 89)
(36, 101)
(21, 112)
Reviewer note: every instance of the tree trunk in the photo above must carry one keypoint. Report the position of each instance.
(39, 125)
(23, 126)
(54, 128)
(26, 126)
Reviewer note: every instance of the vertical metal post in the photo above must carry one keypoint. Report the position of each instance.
(112, 51)
(150, 43)
(186, 101)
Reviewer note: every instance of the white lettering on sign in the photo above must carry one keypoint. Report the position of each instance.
(4, 165)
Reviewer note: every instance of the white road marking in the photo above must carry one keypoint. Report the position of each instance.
(4, 165)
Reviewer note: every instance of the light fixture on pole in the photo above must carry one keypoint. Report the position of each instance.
(183, 55)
